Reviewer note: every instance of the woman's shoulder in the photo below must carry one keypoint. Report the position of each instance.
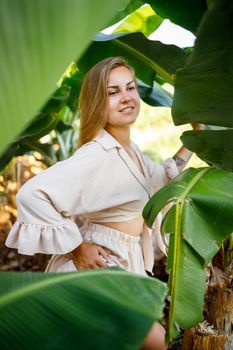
(98, 147)
(91, 149)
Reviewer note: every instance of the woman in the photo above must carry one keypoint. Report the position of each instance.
(103, 187)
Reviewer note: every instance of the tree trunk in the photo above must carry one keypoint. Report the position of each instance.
(194, 341)
(218, 308)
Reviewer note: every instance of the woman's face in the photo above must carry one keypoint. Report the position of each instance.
(123, 98)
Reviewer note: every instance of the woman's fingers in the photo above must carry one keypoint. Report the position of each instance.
(90, 256)
(101, 263)
(104, 253)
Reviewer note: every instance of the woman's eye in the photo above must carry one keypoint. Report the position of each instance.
(131, 87)
(111, 93)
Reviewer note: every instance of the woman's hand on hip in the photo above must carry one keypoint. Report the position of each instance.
(90, 256)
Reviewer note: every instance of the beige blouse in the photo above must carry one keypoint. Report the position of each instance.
(98, 183)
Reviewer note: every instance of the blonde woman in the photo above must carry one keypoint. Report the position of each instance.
(87, 210)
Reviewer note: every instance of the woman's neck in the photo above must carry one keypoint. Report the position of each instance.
(122, 135)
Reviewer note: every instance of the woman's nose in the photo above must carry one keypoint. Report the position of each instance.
(125, 96)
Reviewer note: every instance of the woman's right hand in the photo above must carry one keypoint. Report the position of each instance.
(90, 256)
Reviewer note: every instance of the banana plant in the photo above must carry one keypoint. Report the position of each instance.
(81, 310)
(199, 220)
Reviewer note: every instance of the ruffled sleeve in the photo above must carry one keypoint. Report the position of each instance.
(46, 204)
(33, 238)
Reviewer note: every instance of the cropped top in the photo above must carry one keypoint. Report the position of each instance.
(98, 183)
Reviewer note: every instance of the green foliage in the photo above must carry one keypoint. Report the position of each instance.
(155, 95)
(148, 57)
(201, 216)
(204, 85)
(132, 5)
(203, 88)
(199, 219)
(39, 39)
(143, 20)
(186, 14)
(101, 309)
(49, 118)
(213, 146)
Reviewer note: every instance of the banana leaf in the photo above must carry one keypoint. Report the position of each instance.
(203, 88)
(213, 146)
(75, 83)
(18, 149)
(148, 57)
(154, 96)
(105, 309)
(186, 14)
(39, 39)
(41, 125)
(124, 12)
(200, 218)
(59, 114)
(67, 136)
(142, 20)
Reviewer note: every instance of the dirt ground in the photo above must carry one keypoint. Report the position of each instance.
(10, 260)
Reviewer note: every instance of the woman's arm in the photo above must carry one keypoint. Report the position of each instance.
(183, 155)
(46, 205)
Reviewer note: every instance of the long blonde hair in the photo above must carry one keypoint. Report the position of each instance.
(93, 98)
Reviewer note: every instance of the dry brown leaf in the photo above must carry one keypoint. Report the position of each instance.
(4, 217)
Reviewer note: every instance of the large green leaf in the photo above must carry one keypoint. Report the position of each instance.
(86, 310)
(185, 13)
(38, 41)
(148, 57)
(67, 135)
(75, 83)
(199, 220)
(45, 121)
(154, 96)
(131, 7)
(142, 20)
(47, 118)
(203, 88)
(213, 146)
(59, 113)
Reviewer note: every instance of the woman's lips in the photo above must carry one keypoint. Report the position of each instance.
(127, 109)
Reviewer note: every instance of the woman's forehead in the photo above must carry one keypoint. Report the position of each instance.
(120, 75)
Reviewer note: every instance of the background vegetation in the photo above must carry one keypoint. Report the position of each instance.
(200, 219)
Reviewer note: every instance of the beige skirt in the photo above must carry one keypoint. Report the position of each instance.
(125, 250)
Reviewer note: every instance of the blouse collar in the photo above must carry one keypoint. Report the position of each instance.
(107, 141)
